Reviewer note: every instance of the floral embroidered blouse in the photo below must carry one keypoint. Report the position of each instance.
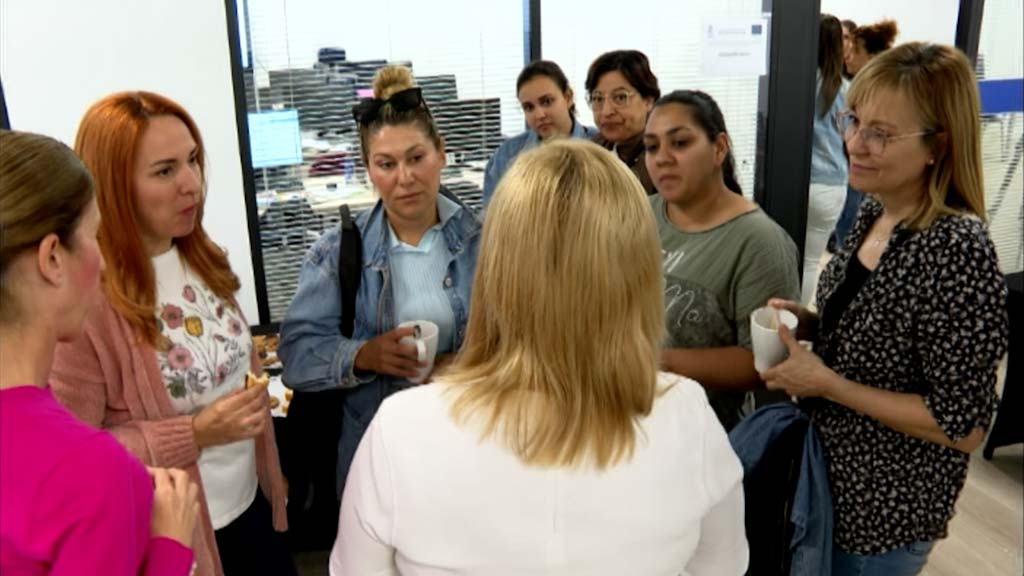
(931, 320)
(205, 354)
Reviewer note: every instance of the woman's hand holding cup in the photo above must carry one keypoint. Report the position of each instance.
(388, 354)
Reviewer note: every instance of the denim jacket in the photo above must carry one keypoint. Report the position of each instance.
(315, 354)
(811, 515)
(512, 147)
(828, 159)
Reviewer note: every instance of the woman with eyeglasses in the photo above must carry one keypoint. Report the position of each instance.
(550, 110)
(827, 191)
(722, 256)
(621, 89)
(912, 321)
(163, 360)
(419, 245)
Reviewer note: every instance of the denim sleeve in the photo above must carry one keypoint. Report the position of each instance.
(314, 353)
(492, 173)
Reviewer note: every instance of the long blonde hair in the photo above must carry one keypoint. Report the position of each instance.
(940, 85)
(566, 315)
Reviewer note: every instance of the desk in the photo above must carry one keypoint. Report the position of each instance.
(327, 193)
(323, 194)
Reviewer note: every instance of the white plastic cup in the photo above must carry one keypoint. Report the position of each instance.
(769, 349)
(426, 346)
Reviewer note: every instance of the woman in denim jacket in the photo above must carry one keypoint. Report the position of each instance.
(829, 173)
(547, 101)
(418, 257)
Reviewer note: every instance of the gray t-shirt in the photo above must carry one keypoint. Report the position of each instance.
(714, 279)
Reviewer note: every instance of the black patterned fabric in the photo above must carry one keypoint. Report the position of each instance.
(930, 320)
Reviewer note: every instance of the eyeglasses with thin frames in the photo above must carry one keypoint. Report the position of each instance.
(617, 99)
(873, 138)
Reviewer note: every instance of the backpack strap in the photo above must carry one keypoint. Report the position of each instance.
(315, 423)
(350, 263)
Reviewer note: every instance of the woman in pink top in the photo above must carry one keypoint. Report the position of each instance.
(72, 500)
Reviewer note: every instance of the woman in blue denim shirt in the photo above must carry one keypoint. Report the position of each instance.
(827, 191)
(418, 257)
(547, 101)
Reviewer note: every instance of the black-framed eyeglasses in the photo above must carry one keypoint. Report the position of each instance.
(873, 138)
(369, 110)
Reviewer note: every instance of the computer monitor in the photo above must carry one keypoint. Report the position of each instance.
(274, 138)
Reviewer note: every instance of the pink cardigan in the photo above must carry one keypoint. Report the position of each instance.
(110, 379)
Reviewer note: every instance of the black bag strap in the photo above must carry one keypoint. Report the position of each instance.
(350, 263)
(315, 417)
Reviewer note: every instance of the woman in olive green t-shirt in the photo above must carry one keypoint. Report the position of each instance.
(723, 256)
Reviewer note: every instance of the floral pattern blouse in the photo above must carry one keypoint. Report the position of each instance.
(931, 320)
(205, 346)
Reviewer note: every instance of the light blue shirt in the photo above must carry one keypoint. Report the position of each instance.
(828, 161)
(512, 147)
(317, 356)
(419, 273)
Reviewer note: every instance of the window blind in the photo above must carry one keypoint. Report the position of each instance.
(310, 61)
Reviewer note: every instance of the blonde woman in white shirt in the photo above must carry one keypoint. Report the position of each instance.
(552, 445)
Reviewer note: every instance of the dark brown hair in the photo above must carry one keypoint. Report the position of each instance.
(549, 70)
(632, 64)
(705, 111)
(876, 37)
(830, 61)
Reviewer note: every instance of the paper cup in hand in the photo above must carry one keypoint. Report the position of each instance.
(769, 349)
(426, 346)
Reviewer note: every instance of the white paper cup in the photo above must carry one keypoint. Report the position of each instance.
(764, 335)
(426, 346)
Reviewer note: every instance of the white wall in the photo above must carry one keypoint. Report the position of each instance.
(917, 20)
(673, 40)
(59, 56)
(1002, 42)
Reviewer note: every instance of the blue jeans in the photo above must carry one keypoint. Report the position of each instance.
(905, 561)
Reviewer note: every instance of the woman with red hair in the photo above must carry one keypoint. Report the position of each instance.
(163, 359)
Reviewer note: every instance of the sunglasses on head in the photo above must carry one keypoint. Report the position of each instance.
(368, 110)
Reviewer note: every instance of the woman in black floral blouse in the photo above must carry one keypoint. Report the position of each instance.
(913, 314)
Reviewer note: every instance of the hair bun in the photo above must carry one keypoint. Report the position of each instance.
(391, 79)
(888, 30)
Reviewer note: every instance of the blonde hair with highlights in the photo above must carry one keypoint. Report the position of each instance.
(939, 83)
(566, 316)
